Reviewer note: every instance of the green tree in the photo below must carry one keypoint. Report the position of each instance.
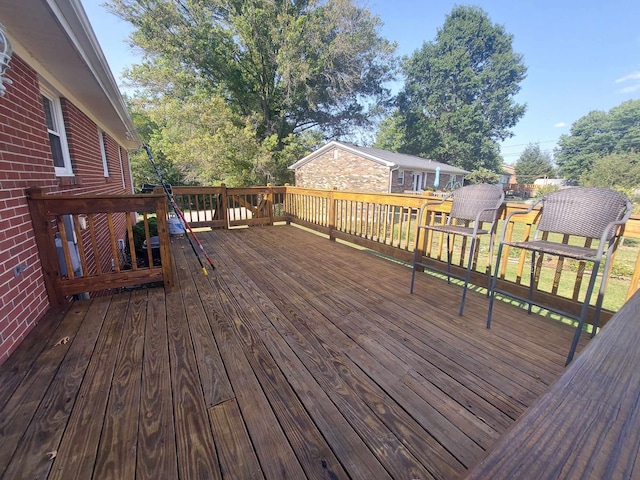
(285, 66)
(620, 171)
(483, 175)
(141, 168)
(210, 144)
(213, 145)
(391, 135)
(598, 134)
(533, 163)
(458, 99)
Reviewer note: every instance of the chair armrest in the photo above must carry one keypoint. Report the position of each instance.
(614, 225)
(485, 210)
(517, 212)
(426, 205)
(476, 222)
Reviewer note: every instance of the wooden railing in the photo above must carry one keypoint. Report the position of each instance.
(202, 206)
(387, 223)
(222, 207)
(99, 258)
(382, 222)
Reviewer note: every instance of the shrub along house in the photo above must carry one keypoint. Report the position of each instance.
(64, 128)
(364, 169)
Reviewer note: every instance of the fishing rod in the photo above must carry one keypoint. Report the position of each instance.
(178, 212)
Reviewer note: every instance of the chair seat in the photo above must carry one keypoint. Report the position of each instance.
(555, 248)
(454, 230)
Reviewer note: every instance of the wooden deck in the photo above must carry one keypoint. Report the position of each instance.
(296, 358)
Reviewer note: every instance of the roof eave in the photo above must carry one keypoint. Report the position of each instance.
(57, 40)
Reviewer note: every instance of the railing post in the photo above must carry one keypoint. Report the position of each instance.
(635, 279)
(332, 214)
(45, 241)
(224, 205)
(165, 242)
(270, 202)
(287, 203)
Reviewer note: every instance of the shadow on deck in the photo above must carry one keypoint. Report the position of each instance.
(296, 358)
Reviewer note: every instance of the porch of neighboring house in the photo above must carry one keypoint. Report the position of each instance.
(296, 357)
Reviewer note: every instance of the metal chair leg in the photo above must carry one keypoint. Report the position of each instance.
(467, 276)
(448, 259)
(603, 287)
(583, 315)
(492, 289)
(415, 260)
(532, 276)
(489, 273)
(413, 278)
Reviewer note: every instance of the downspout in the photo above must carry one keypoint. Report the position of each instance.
(391, 170)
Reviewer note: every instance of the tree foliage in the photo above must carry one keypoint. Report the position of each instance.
(270, 69)
(212, 145)
(533, 163)
(619, 171)
(141, 168)
(596, 135)
(458, 99)
(391, 134)
(483, 175)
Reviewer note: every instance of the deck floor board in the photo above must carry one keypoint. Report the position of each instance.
(156, 433)
(296, 357)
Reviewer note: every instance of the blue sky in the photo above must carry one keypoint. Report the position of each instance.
(581, 55)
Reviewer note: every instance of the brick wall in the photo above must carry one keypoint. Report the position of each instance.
(351, 172)
(26, 161)
(86, 159)
(345, 171)
(398, 186)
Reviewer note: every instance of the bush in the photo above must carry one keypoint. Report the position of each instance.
(139, 235)
(546, 189)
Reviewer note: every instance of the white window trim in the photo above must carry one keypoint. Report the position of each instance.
(103, 152)
(400, 177)
(67, 170)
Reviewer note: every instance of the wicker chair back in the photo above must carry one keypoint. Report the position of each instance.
(470, 200)
(583, 211)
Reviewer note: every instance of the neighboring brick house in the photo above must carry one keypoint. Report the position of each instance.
(64, 128)
(508, 176)
(349, 167)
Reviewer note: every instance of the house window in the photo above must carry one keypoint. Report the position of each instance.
(400, 177)
(57, 135)
(103, 152)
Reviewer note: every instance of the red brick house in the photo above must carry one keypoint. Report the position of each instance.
(508, 176)
(349, 167)
(64, 128)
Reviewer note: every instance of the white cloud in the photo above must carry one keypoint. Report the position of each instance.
(630, 89)
(631, 76)
(560, 125)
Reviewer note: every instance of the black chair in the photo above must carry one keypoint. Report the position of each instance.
(589, 212)
(471, 206)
